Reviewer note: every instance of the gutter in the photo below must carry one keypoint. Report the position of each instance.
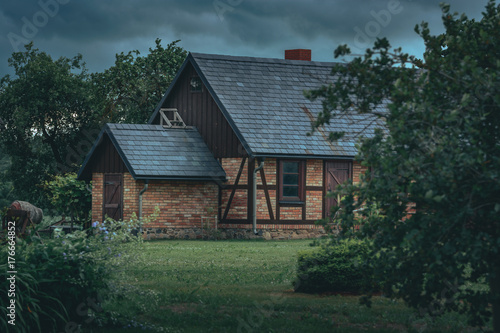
(146, 185)
(254, 201)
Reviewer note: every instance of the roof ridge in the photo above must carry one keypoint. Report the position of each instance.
(264, 60)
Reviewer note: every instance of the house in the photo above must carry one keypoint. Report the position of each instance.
(228, 146)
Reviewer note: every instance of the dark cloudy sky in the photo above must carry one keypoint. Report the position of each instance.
(98, 29)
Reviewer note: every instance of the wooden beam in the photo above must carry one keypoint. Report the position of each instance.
(266, 221)
(231, 196)
(251, 169)
(266, 193)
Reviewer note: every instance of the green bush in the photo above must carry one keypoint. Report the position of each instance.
(70, 196)
(60, 281)
(334, 267)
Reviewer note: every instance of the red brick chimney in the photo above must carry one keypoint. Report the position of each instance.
(298, 54)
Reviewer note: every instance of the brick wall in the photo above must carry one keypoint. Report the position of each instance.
(97, 196)
(357, 170)
(314, 205)
(314, 172)
(238, 208)
(181, 203)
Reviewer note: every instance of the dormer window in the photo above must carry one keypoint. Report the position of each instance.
(196, 85)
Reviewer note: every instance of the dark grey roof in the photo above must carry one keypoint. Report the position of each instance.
(153, 152)
(264, 100)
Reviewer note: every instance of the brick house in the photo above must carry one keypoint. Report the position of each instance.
(228, 144)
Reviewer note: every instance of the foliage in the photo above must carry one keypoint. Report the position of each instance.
(44, 111)
(439, 152)
(6, 197)
(131, 89)
(69, 274)
(334, 267)
(51, 110)
(31, 303)
(70, 196)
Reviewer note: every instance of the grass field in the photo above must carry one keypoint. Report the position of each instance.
(244, 286)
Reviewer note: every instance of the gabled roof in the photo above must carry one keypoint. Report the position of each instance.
(263, 101)
(153, 152)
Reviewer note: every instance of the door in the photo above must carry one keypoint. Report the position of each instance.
(336, 172)
(113, 203)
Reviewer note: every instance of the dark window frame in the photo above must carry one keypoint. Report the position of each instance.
(300, 198)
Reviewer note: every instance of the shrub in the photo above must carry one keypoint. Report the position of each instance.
(60, 281)
(70, 196)
(334, 267)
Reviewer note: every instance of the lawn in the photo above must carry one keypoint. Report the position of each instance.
(244, 286)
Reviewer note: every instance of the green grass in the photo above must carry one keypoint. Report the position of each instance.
(244, 286)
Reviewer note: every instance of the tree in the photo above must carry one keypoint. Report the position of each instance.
(439, 153)
(130, 90)
(52, 110)
(70, 196)
(44, 110)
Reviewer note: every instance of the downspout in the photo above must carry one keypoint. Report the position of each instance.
(146, 185)
(254, 201)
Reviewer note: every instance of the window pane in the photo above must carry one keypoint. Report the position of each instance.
(291, 167)
(290, 191)
(290, 179)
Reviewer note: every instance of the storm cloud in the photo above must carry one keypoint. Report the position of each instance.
(263, 28)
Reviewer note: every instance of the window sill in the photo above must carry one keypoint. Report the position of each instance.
(291, 203)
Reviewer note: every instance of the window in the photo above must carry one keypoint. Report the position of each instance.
(291, 180)
(196, 85)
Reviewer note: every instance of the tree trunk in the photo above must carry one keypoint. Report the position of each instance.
(495, 290)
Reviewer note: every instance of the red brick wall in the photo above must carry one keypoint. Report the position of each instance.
(270, 173)
(97, 196)
(238, 208)
(314, 205)
(357, 170)
(314, 199)
(231, 166)
(181, 203)
(314, 173)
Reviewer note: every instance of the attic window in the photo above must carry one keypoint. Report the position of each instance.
(196, 85)
(170, 118)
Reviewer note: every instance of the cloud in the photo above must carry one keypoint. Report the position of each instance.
(99, 29)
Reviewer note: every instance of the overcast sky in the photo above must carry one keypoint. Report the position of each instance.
(98, 29)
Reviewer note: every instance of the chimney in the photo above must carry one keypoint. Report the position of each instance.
(298, 54)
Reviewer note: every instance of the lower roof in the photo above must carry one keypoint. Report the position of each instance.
(154, 152)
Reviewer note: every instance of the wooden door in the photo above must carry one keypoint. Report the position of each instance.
(113, 201)
(336, 172)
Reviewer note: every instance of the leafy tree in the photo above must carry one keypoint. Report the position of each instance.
(44, 111)
(52, 110)
(130, 90)
(440, 153)
(70, 196)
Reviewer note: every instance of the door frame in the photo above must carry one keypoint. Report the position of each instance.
(326, 209)
(104, 195)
